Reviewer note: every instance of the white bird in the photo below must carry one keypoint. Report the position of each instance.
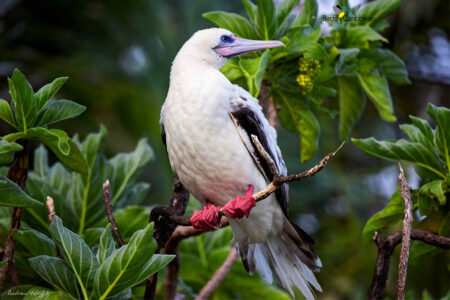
(206, 123)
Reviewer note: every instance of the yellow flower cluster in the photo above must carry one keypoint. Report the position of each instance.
(309, 69)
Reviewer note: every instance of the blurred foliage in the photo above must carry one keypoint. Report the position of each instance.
(429, 151)
(118, 56)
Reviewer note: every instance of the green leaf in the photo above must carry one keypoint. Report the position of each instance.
(434, 189)
(24, 101)
(401, 150)
(283, 10)
(420, 251)
(351, 105)
(40, 292)
(6, 113)
(64, 148)
(129, 265)
(377, 88)
(265, 22)
(232, 70)
(106, 245)
(7, 151)
(87, 190)
(441, 115)
(391, 65)
(92, 235)
(387, 217)
(360, 37)
(251, 9)
(46, 92)
(426, 204)
(346, 64)
(414, 134)
(129, 220)
(76, 253)
(308, 16)
(60, 110)
(35, 242)
(425, 129)
(377, 10)
(12, 195)
(232, 22)
(126, 167)
(253, 70)
(56, 272)
(295, 115)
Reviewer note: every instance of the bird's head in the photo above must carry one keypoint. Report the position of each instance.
(215, 45)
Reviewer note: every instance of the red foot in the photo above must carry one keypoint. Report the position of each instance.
(240, 207)
(207, 218)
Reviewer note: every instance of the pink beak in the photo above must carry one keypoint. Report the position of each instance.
(240, 46)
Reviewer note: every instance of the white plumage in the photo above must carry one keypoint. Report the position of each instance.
(206, 122)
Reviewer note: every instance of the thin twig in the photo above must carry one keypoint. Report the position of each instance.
(386, 246)
(109, 212)
(218, 276)
(50, 208)
(280, 180)
(180, 233)
(404, 254)
(51, 213)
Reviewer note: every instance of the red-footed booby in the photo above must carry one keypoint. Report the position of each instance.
(206, 123)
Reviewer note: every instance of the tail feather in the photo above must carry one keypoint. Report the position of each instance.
(288, 257)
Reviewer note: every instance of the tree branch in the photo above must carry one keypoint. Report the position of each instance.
(404, 254)
(180, 233)
(386, 246)
(18, 173)
(218, 276)
(109, 212)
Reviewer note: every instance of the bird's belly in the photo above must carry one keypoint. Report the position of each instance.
(213, 163)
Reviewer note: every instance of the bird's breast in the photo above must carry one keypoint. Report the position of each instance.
(205, 148)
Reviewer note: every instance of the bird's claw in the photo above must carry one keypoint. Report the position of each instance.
(206, 219)
(241, 206)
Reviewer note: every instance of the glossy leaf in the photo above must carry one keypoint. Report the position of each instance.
(282, 11)
(360, 37)
(401, 150)
(351, 105)
(76, 254)
(126, 167)
(295, 115)
(377, 89)
(308, 16)
(387, 217)
(391, 65)
(129, 220)
(232, 70)
(346, 64)
(425, 129)
(6, 113)
(35, 242)
(378, 10)
(253, 70)
(60, 110)
(7, 151)
(435, 189)
(64, 148)
(441, 115)
(129, 265)
(106, 245)
(24, 100)
(251, 9)
(265, 22)
(46, 92)
(56, 272)
(12, 195)
(235, 23)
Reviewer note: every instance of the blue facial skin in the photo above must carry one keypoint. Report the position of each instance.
(226, 40)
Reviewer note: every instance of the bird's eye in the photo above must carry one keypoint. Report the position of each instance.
(226, 39)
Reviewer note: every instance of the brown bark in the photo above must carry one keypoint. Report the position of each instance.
(109, 212)
(18, 172)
